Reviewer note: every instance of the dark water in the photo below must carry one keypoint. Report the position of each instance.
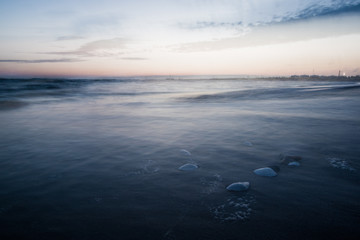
(99, 159)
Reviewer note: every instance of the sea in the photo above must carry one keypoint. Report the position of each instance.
(101, 158)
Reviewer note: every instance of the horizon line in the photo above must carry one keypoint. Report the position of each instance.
(174, 76)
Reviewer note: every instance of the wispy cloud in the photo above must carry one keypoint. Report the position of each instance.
(63, 60)
(262, 12)
(100, 48)
(208, 24)
(97, 24)
(280, 33)
(319, 9)
(68, 38)
(134, 58)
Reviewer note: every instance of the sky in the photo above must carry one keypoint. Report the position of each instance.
(88, 38)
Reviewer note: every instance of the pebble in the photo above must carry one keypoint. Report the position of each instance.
(286, 159)
(294, 164)
(185, 152)
(188, 167)
(265, 172)
(238, 186)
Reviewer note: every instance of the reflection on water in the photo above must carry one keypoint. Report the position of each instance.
(99, 159)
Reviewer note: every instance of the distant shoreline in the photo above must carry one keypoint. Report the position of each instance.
(200, 77)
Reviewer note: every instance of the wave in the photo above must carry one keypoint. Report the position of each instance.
(20, 85)
(276, 93)
(16, 85)
(15, 89)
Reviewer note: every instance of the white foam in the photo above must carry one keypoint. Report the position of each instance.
(234, 209)
(341, 163)
(265, 172)
(211, 184)
(238, 186)
(188, 167)
(150, 167)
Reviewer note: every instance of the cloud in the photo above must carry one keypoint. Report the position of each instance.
(324, 8)
(64, 60)
(208, 24)
(97, 24)
(100, 48)
(264, 12)
(134, 58)
(67, 38)
(292, 31)
(115, 43)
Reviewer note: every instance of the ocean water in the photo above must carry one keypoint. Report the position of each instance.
(100, 158)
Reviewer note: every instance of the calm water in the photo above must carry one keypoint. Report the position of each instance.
(99, 159)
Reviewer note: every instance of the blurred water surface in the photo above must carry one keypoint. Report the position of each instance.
(99, 159)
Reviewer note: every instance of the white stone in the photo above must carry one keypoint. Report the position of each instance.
(286, 159)
(294, 164)
(185, 152)
(188, 167)
(266, 172)
(238, 186)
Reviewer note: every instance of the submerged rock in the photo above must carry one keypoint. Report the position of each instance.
(185, 152)
(265, 172)
(286, 159)
(294, 164)
(238, 186)
(247, 143)
(188, 167)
